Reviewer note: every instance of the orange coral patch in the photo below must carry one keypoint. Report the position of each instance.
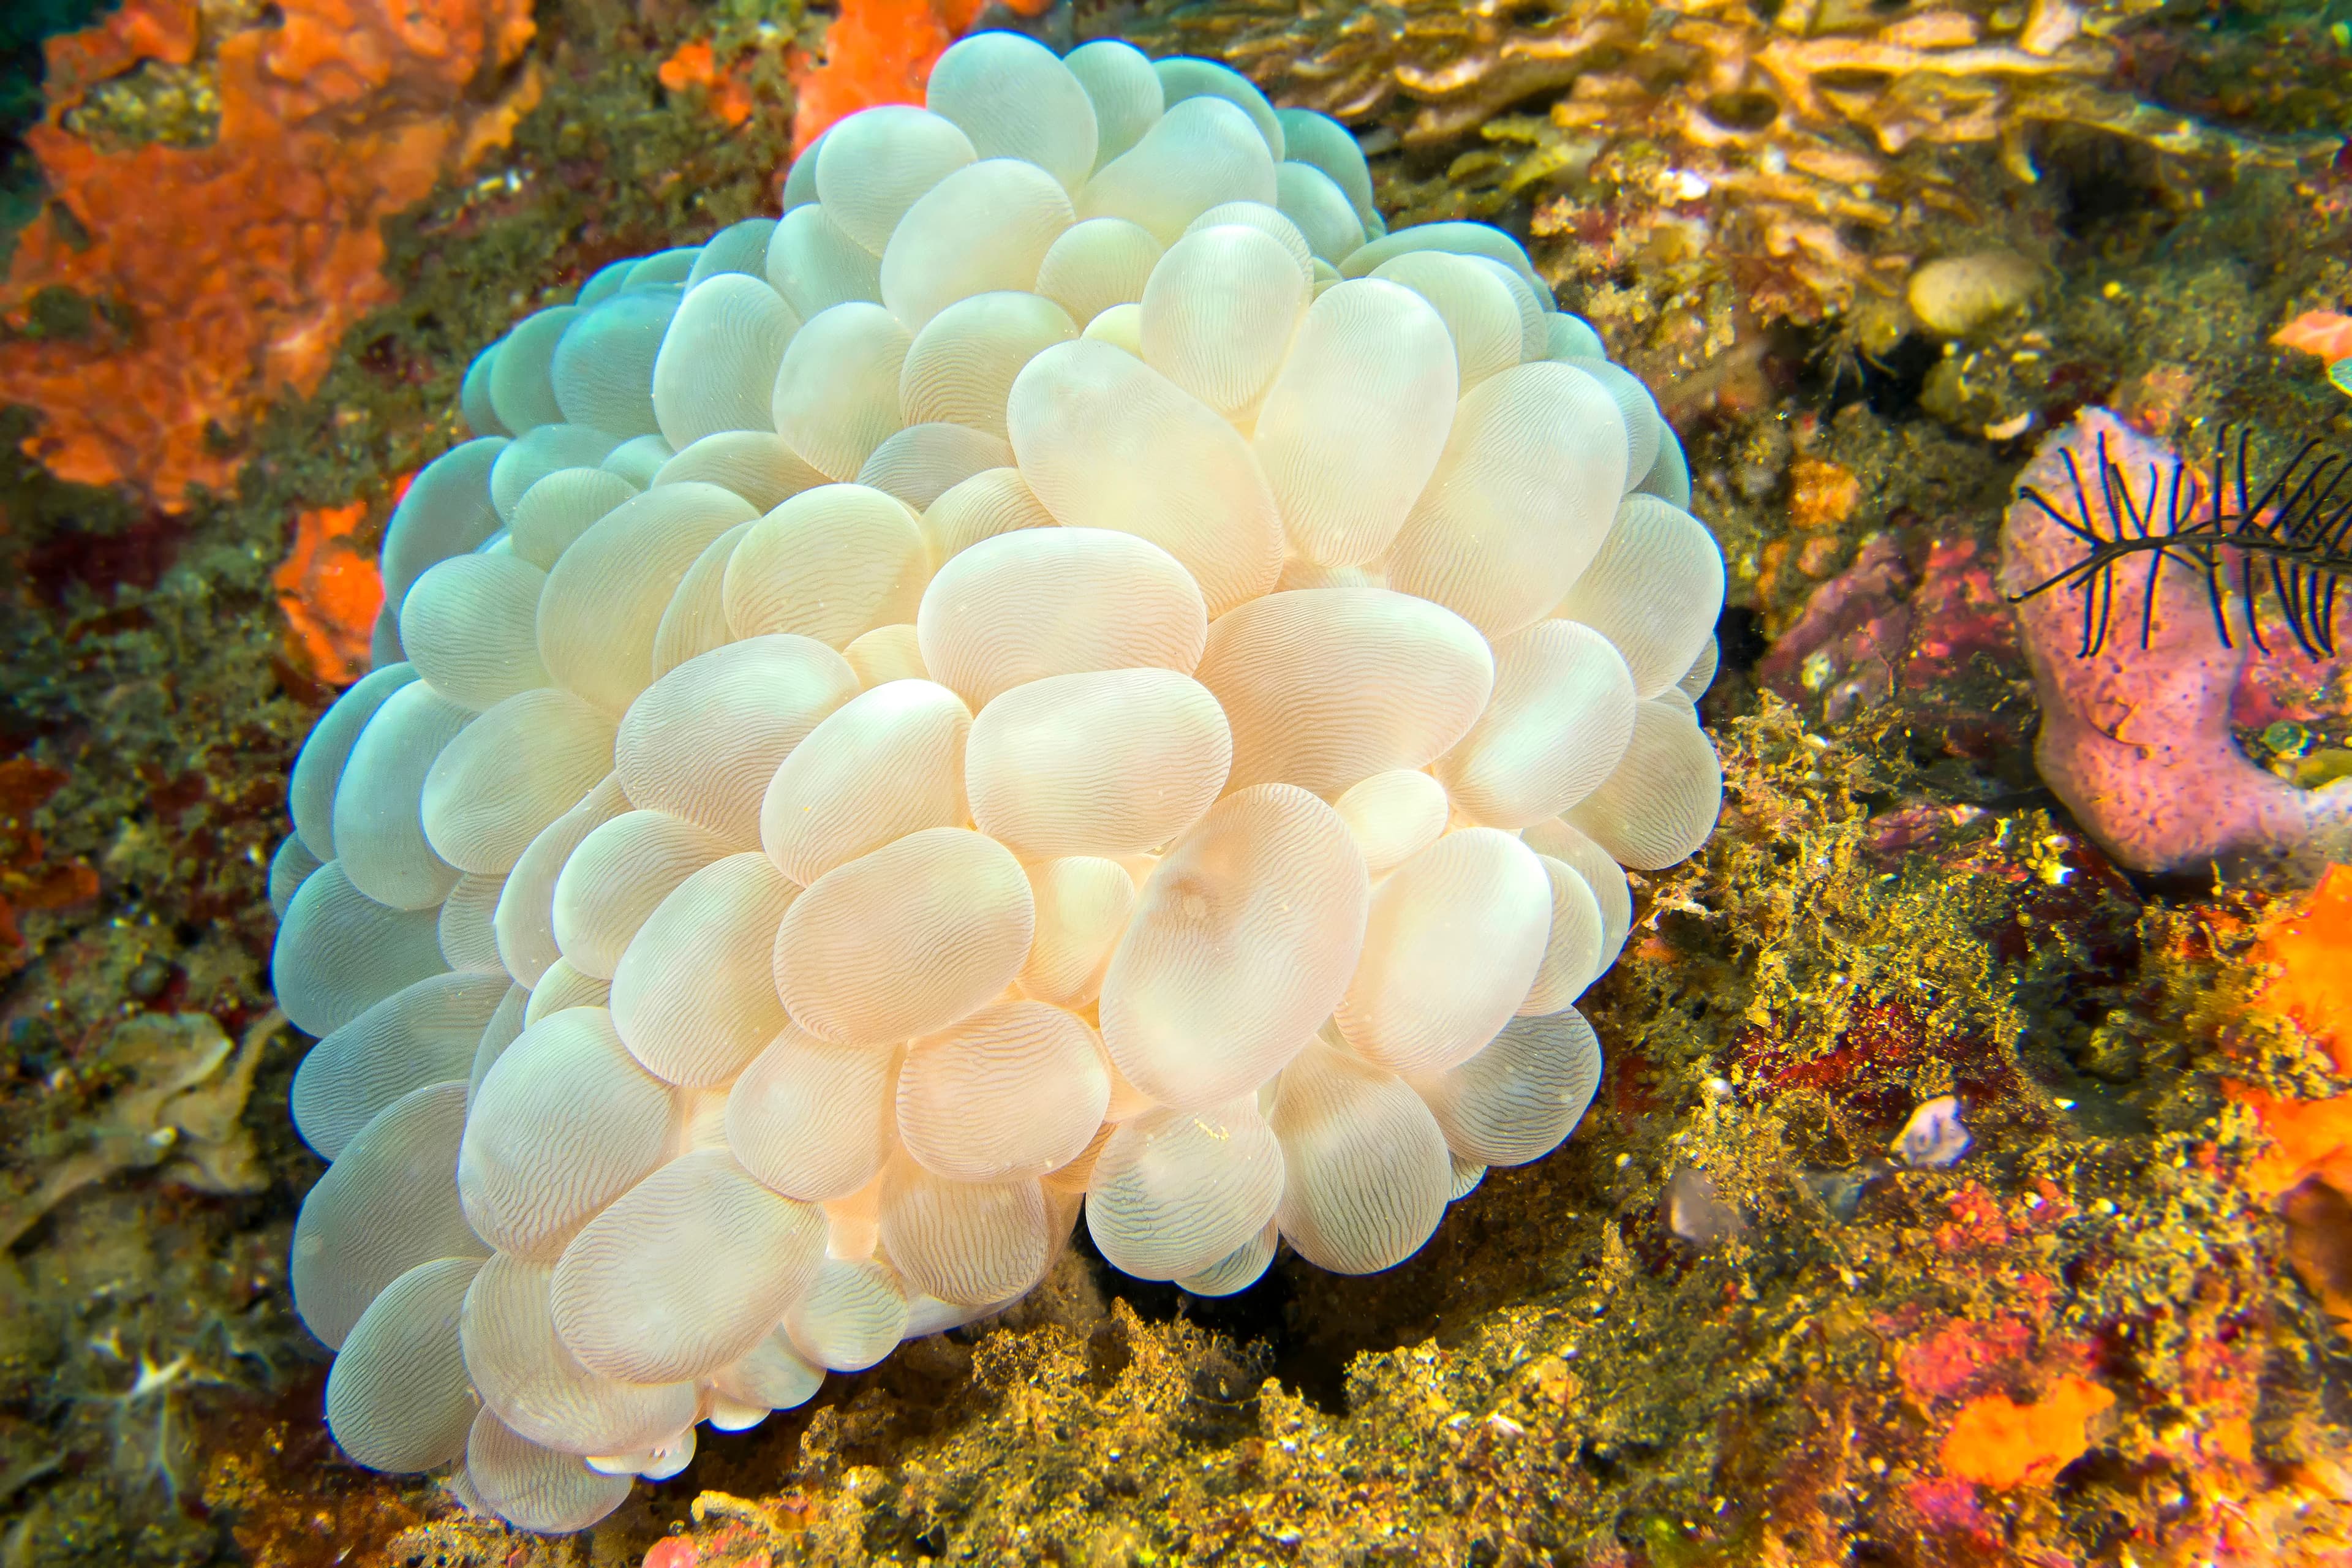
(696, 65)
(2322, 332)
(1997, 1442)
(2310, 958)
(225, 274)
(331, 591)
(880, 51)
(1823, 494)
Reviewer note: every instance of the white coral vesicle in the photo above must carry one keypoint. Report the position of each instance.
(1072, 673)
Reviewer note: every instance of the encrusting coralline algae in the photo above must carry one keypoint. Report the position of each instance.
(1070, 672)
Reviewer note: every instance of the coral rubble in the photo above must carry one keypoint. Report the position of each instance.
(1809, 139)
(168, 292)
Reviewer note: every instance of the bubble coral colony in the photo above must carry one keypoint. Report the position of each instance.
(1072, 671)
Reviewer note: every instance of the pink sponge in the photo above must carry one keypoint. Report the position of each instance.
(2136, 740)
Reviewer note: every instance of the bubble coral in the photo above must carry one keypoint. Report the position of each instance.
(1069, 672)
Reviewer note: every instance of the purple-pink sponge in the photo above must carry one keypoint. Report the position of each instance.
(2136, 740)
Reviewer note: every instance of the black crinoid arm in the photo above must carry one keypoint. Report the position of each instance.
(2285, 540)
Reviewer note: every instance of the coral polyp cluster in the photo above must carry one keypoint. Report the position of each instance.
(1071, 672)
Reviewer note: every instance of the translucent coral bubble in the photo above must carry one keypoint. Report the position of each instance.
(1082, 902)
(470, 626)
(690, 996)
(533, 1380)
(1015, 1090)
(602, 370)
(836, 393)
(851, 1316)
(397, 1397)
(1218, 313)
(695, 621)
(814, 264)
(885, 764)
(563, 987)
(876, 164)
(548, 449)
(717, 371)
(319, 768)
(997, 500)
(758, 464)
(1123, 89)
(1520, 502)
(1643, 424)
(1567, 337)
(445, 511)
(815, 1120)
(906, 940)
(1037, 602)
(290, 866)
(921, 463)
(1237, 1270)
(1393, 815)
(1015, 100)
(387, 1204)
(1520, 1096)
(535, 1487)
(338, 952)
(1669, 475)
(961, 364)
(829, 564)
(773, 1376)
(638, 460)
(1661, 803)
(524, 923)
(564, 1121)
(380, 835)
(1367, 1172)
(513, 770)
(1101, 262)
(619, 875)
(1561, 718)
(982, 229)
(605, 599)
(1314, 201)
(1455, 937)
(1655, 591)
(967, 1243)
(1107, 442)
(1606, 879)
(1574, 955)
(557, 509)
(1242, 941)
(1176, 1191)
(687, 1271)
(521, 391)
(1324, 143)
(1104, 763)
(740, 247)
(886, 654)
(1356, 419)
(1454, 239)
(424, 1032)
(1326, 687)
(1200, 153)
(1480, 313)
(1186, 78)
(705, 739)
